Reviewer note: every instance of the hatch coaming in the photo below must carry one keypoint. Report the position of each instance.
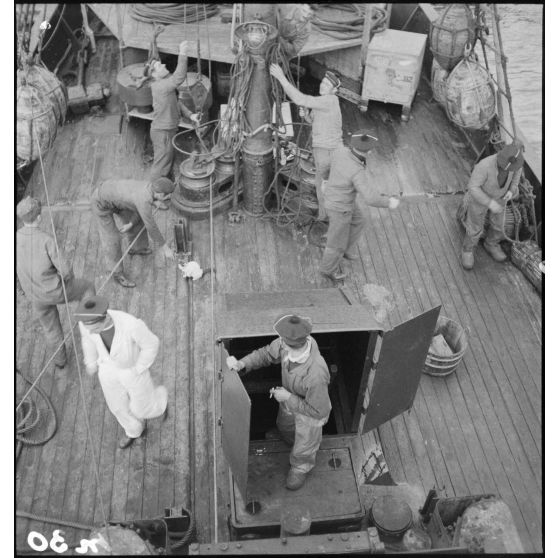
(379, 372)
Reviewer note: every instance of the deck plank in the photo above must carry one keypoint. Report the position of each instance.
(505, 374)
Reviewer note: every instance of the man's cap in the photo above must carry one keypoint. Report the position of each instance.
(362, 140)
(293, 330)
(92, 310)
(163, 186)
(28, 209)
(510, 157)
(333, 78)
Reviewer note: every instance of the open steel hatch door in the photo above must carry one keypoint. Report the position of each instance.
(235, 433)
(399, 369)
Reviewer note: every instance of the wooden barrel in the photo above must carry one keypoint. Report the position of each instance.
(450, 34)
(470, 97)
(50, 86)
(456, 338)
(438, 82)
(195, 92)
(36, 120)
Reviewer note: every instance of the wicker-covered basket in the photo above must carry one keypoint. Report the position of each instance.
(527, 256)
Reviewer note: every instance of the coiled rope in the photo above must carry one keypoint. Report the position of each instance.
(28, 416)
(348, 28)
(167, 14)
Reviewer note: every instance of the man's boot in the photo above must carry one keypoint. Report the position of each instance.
(492, 244)
(468, 253)
(493, 248)
(295, 479)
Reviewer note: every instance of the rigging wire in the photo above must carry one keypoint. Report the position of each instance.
(67, 307)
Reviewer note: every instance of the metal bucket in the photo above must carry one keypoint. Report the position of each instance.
(195, 93)
(391, 516)
(257, 172)
(223, 80)
(127, 79)
(456, 338)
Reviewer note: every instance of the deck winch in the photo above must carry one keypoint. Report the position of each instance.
(204, 177)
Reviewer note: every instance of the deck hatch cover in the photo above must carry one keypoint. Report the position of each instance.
(235, 405)
(399, 369)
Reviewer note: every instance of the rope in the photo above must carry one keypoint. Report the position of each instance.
(167, 14)
(67, 307)
(351, 28)
(43, 47)
(28, 417)
(504, 63)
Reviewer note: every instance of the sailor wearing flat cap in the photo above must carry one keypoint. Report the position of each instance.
(44, 273)
(131, 203)
(304, 403)
(122, 349)
(348, 177)
(325, 117)
(494, 181)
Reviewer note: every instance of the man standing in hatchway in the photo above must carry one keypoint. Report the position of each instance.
(304, 404)
(42, 271)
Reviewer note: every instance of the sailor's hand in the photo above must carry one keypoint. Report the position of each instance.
(125, 228)
(495, 207)
(302, 112)
(508, 196)
(280, 394)
(235, 364)
(195, 117)
(394, 203)
(277, 72)
(167, 252)
(183, 48)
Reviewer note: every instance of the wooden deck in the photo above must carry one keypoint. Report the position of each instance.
(477, 431)
(214, 36)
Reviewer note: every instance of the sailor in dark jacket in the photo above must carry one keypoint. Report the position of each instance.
(494, 181)
(133, 201)
(41, 270)
(304, 403)
(348, 176)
